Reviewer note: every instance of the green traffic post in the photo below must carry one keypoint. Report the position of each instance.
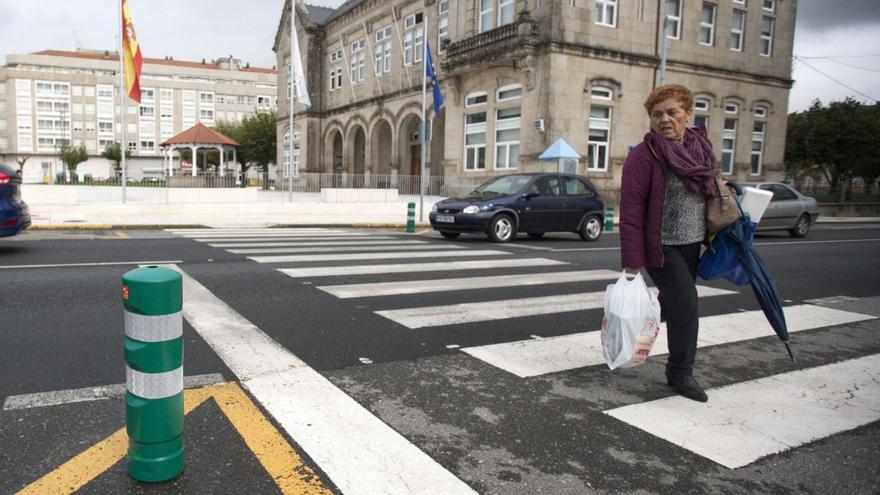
(609, 218)
(411, 217)
(153, 301)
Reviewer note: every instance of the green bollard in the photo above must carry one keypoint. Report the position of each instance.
(609, 218)
(411, 217)
(153, 300)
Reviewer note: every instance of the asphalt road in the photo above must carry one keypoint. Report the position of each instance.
(551, 432)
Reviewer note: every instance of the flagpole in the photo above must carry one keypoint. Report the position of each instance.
(423, 130)
(291, 81)
(123, 146)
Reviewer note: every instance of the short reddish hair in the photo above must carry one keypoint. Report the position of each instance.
(665, 92)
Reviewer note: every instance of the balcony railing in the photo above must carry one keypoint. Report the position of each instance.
(503, 42)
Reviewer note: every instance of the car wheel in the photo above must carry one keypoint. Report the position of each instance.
(591, 228)
(501, 229)
(450, 235)
(800, 228)
(536, 235)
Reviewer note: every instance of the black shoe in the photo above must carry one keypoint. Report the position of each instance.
(688, 387)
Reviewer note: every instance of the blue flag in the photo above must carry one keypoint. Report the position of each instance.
(429, 72)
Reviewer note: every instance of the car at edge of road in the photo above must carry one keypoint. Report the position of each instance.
(14, 213)
(533, 203)
(788, 209)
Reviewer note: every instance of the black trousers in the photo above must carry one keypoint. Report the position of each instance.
(676, 280)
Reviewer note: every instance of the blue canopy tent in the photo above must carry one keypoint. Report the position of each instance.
(564, 156)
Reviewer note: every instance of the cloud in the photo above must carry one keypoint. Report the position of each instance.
(824, 15)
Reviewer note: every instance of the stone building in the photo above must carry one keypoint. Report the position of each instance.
(50, 96)
(518, 74)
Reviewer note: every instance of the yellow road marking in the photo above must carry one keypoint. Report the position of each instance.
(272, 450)
(121, 235)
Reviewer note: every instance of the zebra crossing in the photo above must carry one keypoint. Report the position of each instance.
(346, 265)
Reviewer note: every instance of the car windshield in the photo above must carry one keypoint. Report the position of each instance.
(509, 184)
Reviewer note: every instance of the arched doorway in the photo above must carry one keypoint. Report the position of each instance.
(409, 148)
(359, 150)
(381, 144)
(334, 150)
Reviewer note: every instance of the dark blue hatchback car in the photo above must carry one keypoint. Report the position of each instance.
(14, 213)
(530, 203)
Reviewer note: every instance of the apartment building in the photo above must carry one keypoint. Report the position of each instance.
(51, 96)
(518, 74)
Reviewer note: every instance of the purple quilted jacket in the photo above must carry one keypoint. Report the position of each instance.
(642, 195)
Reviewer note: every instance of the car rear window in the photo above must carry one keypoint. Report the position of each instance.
(576, 187)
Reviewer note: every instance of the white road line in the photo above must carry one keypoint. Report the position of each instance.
(334, 271)
(239, 231)
(454, 314)
(280, 238)
(374, 256)
(536, 357)
(271, 236)
(466, 283)
(43, 399)
(359, 452)
(342, 249)
(746, 421)
(71, 265)
(523, 246)
(377, 240)
(798, 243)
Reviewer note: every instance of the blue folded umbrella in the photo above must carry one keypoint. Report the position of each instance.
(721, 260)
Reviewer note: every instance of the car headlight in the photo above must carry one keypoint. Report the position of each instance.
(470, 210)
(434, 208)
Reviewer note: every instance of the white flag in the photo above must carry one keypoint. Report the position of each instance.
(299, 78)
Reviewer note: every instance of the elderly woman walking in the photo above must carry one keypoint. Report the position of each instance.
(666, 180)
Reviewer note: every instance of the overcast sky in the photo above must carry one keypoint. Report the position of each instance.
(848, 31)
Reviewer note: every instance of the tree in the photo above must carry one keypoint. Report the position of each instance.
(113, 153)
(839, 141)
(256, 136)
(72, 156)
(21, 160)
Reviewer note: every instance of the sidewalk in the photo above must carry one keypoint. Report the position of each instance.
(248, 215)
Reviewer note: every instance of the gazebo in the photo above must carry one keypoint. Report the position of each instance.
(195, 138)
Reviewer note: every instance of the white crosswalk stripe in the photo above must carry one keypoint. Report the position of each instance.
(466, 283)
(550, 355)
(746, 421)
(456, 314)
(335, 271)
(375, 256)
(372, 241)
(186, 232)
(279, 237)
(342, 249)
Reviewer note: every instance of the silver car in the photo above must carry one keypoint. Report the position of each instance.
(788, 210)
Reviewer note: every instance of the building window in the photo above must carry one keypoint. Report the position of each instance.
(707, 25)
(487, 15)
(105, 127)
(475, 141)
(601, 93)
(510, 92)
(106, 91)
(147, 147)
(606, 13)
(599, 137)
(507, 125)
(673, 19)
(442, 33)
(728, 145)
(701, 121)
(701, 105)
(205, 98)
(505, 12)
(336, 69)
(358, 61)
(206, 115)
(132, 146)
(767, 27)
(760, 112)
(413, 39)
(769, 5)
(731, 108)
(148, 112)
(382, 62)
(758, 146)
(737, 28)
(475, 99)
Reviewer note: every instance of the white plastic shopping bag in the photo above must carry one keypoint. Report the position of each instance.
(631, 322)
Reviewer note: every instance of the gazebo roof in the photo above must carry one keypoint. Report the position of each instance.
(200, 134)
(559, 149)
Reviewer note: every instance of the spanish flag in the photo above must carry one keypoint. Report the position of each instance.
(132, 59)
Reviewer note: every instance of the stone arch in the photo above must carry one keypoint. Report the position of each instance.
(606, 82)
(707, 95)
(382, 140)
(334, 148)
(353, 121)
(379, 115)
(761, 102)
(735, 99)
(408, 148)
(411, 107)
(356, 154)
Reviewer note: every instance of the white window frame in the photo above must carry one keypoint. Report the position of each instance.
(708, 27)
(761, 112)
(758, 138)
(737, 32)
(603, 93)
(705, 119)
(468, 103)
(507, 124)
(593, 146)
(442, 32)
(605, 10)
(358, 61)
(728, 134)
(382, 62)
(486, 19)
(506, 7)
(507, 89)
(475, 129)
(731, 108)
(767, 38)
(771, 7)
(702, 104)
(413, 38)
(674, 19)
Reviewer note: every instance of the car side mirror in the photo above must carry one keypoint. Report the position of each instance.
(530, 195)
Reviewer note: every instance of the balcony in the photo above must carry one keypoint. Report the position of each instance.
(493, 48)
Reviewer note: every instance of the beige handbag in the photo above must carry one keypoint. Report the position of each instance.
(721, 210)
